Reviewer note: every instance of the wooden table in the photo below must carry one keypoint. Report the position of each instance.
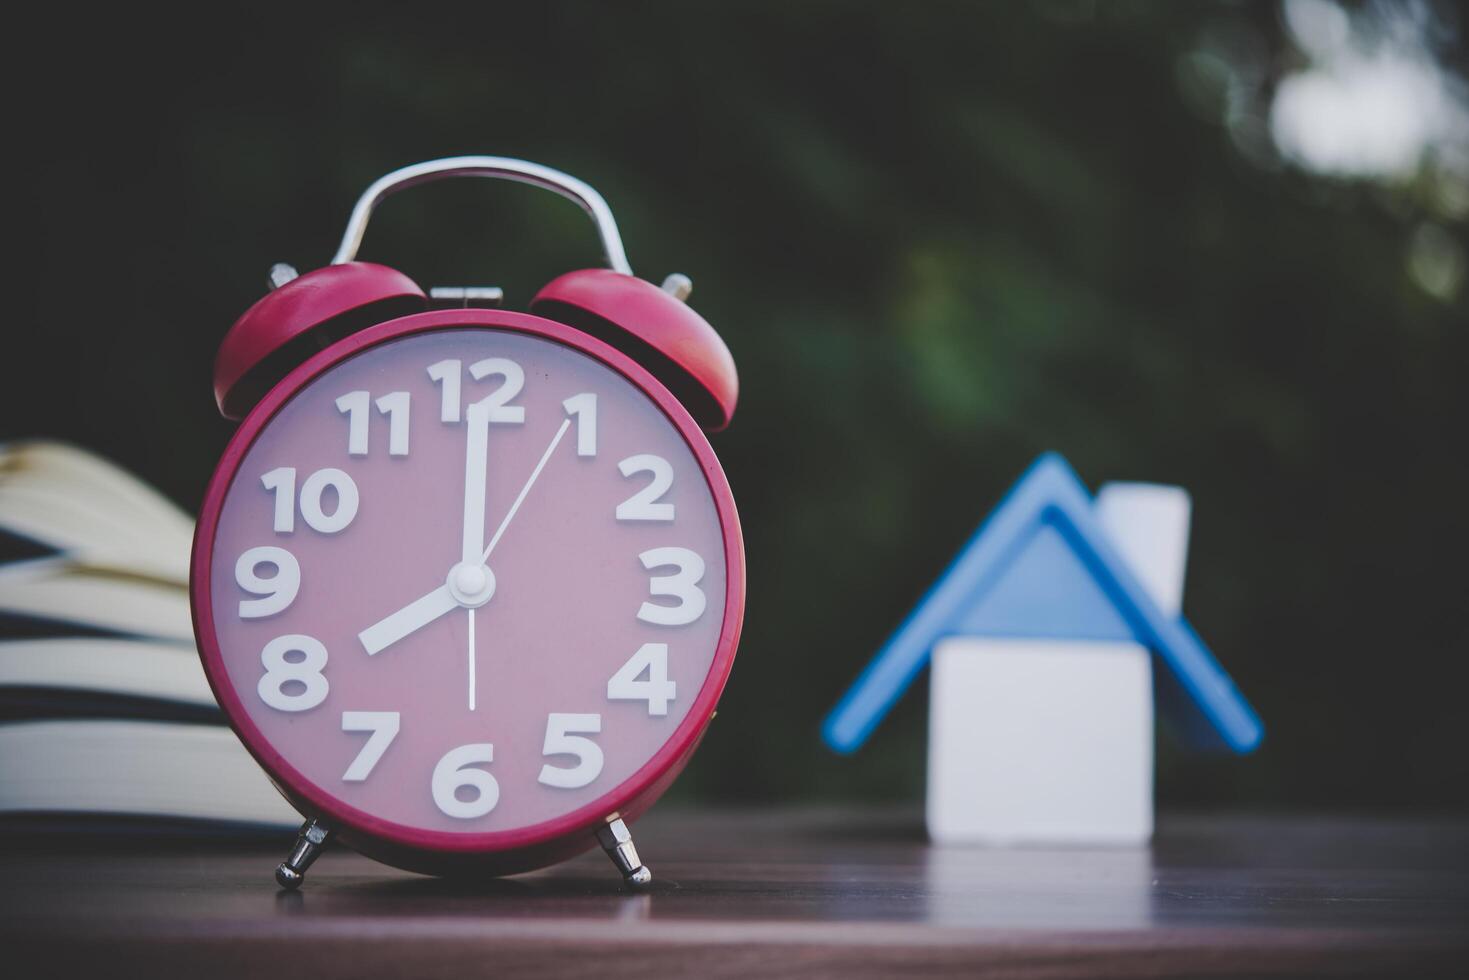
(766, 893)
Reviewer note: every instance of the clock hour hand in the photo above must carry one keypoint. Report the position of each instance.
(414, 616)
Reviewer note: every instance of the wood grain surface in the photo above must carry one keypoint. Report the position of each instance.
(764, 893)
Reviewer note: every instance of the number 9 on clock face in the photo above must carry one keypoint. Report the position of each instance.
(468, 581)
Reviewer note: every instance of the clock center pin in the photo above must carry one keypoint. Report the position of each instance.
(471, 585)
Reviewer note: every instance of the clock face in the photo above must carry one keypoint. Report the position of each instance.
(467, 581)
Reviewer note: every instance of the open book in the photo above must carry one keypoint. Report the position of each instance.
(104, 709)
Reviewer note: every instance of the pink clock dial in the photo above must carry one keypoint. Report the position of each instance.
(468, 586)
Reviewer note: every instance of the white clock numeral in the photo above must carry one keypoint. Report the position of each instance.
(683, 585)
(644, 505)
(384, 728)
(446, 375)
(583, 408)
(395, 406)
(496, 404)
(564, 737)
(306, 672)
(657, 690)
(278, 591)
(455, 772)
(354, 405)
(311, 494)
(282, 482)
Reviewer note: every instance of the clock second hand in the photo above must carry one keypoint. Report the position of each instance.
(535, 474)
(470, 610)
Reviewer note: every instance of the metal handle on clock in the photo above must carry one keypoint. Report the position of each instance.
(504, 168)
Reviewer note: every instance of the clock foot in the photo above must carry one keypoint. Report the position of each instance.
(309, 844)
(616, 840)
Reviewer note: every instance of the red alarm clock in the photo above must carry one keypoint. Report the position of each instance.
(467, 582)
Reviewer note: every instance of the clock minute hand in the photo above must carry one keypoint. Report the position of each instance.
(535, 474)
(476, 450)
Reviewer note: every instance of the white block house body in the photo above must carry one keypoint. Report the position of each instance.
(1040, 741)
(1046, 637)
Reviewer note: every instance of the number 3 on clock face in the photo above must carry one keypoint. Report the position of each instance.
(470, 581)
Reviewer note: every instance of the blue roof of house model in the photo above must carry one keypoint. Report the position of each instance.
(1041, 566)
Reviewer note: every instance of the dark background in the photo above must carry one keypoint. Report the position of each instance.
(939, 239)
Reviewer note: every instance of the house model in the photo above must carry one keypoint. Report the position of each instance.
(1049, 636)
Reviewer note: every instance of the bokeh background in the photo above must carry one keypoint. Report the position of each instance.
(1221, 245)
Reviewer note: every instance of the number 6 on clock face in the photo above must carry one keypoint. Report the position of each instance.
(460, 790)
(535, 543)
